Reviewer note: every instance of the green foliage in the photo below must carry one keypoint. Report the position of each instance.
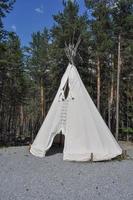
(69, 25)
(128, 130)
(5, 7)
(38, 54)
(101, 26)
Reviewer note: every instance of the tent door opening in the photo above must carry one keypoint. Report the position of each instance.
(57, 145)
(59, 140)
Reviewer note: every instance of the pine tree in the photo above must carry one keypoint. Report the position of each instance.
(122, 13)
(5, 7)
(13, 88)
(68, 28)
(39, 59)
(101, 37)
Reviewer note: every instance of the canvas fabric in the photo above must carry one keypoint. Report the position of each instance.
(80, 122)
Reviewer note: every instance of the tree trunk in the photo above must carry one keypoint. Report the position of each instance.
(42, 99)
(118, 87)
(98, 83)
(21, 119)
(111, 95)
(127, 109)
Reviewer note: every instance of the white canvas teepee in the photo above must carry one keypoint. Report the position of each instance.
(74, 114)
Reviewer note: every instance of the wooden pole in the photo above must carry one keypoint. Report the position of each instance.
(91, 157)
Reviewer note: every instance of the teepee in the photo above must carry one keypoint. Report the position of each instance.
(74, 114)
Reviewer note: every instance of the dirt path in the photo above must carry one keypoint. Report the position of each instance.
(25, 177)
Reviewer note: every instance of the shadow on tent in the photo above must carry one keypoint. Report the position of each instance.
(57, 146)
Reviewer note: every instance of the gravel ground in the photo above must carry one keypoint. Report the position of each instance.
(25, 177)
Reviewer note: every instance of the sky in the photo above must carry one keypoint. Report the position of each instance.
(30, 16)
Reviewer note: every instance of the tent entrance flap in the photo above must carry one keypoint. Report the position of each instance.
(64, 93)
